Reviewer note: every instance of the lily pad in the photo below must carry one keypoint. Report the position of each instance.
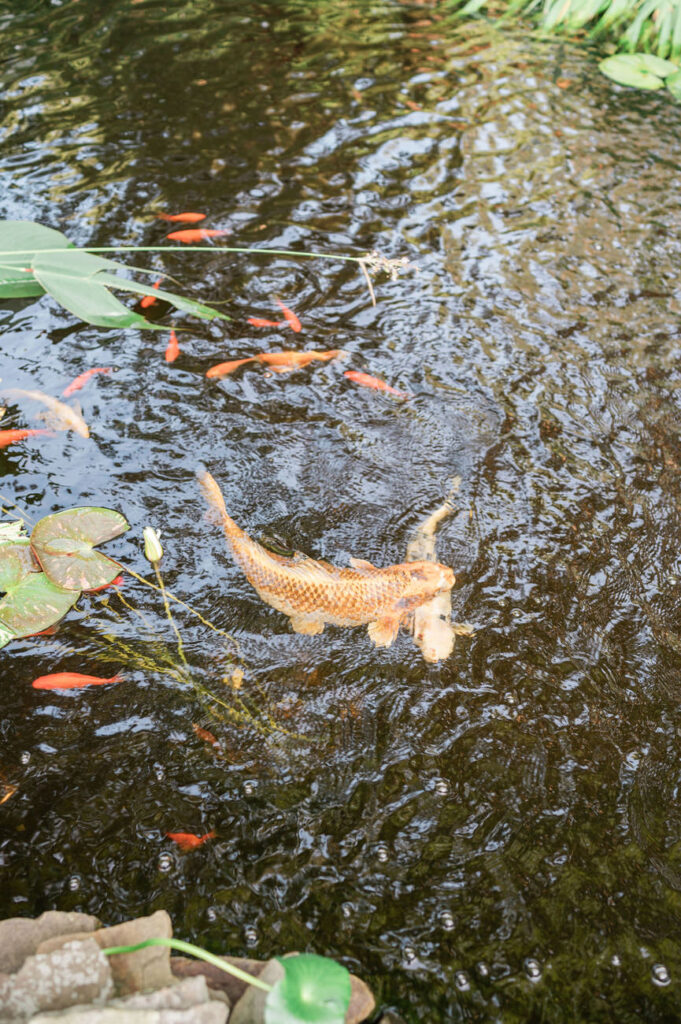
(314, 988)
(640, 70)
(19, 241)
(31, 602)
(64, 545)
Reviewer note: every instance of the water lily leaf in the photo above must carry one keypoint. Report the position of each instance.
(314, 988)
(12, 531)
(64, 545)
(24, 238)
(16, 561)
(69, 277)
(673, 83)
(34, 604)
(636, 69)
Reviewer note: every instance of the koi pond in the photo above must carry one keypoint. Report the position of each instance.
(496, 836)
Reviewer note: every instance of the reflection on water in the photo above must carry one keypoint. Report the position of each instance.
(491, 838)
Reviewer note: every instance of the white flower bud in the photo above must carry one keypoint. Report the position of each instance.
(153, 551)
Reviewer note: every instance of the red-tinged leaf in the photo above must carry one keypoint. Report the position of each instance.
(188, 841)
(64, 545)
(182, 218)
(71, 681)
(291, 318)
(221, 369)
(82, 378)
(195, 235)
(118, 582)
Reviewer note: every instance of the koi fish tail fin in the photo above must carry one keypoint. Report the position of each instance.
(216, 503)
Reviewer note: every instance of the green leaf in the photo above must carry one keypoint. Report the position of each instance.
(178, 301)
(16, 561)
(25, 238)
(673, 83)
(631, 69)
(314, 988)
(33, 604)
(12, 531)
(63, 544)
(69, 278)
(6, 635)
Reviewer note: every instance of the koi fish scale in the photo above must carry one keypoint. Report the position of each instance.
(314, 593)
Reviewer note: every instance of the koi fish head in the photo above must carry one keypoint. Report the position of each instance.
(428, 579)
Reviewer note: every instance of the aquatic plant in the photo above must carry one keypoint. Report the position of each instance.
(313, 990)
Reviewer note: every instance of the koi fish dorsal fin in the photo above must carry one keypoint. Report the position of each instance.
(306, 568)
(361, 563)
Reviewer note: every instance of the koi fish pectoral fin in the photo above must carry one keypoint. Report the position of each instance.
(463, 629)
(384, 631)
(309, 624)
(361, 563)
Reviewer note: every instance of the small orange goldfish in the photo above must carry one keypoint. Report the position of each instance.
(279, 362)
(258, 322)
(70, 681)
(204, 735)
(173, 349)
(291, 318)
(188, 841)
(149, 300)
(195, 234)
(373, 382)
(182, 218)
(82, 378)
(8, 437)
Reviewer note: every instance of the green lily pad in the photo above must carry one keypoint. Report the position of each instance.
(12, 531)
(31, 602)
(640, 70)
(314, 988)
(673, 83)
(24, 238)
(63, 543)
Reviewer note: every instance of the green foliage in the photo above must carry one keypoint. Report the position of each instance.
(313, 989)
(43, 577)
(640, 70)
(35, 259)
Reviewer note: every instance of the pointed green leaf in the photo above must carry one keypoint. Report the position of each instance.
(314, 988)
(63, 544)
(673, 83)
(629, 69)
(187, 305)
(6, 635)
(34, 604)
(69, 277)
(24, 238)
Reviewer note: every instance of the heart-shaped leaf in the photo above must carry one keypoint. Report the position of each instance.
(24, 238)
(63, 543)
(314, 988)
(31, 602)
(640, 70)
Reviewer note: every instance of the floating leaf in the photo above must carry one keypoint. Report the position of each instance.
(16, 561)
(24, 238)
(178, 301)
(314, 988)
(33, 604)
(63, 544)
(12, 531)
(640, 70)
(673, 83)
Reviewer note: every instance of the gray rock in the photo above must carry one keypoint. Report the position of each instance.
(21, 936)
(180, 996)
(76, 973)
(207, 1013)
(133, 972)
(221, 984)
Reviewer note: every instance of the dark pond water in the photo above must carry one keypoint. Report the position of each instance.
(494, 838)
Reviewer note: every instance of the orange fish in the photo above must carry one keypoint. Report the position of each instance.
(118, 582)
(195, 234)
(173, 349)
(182, 218)
(257, 322)
(373, 382)
(291, 318)
(204, 735)
(10, 436)
(70, 681)
(82, 378)
(149, 300)
(188, 841)
(280, 362)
